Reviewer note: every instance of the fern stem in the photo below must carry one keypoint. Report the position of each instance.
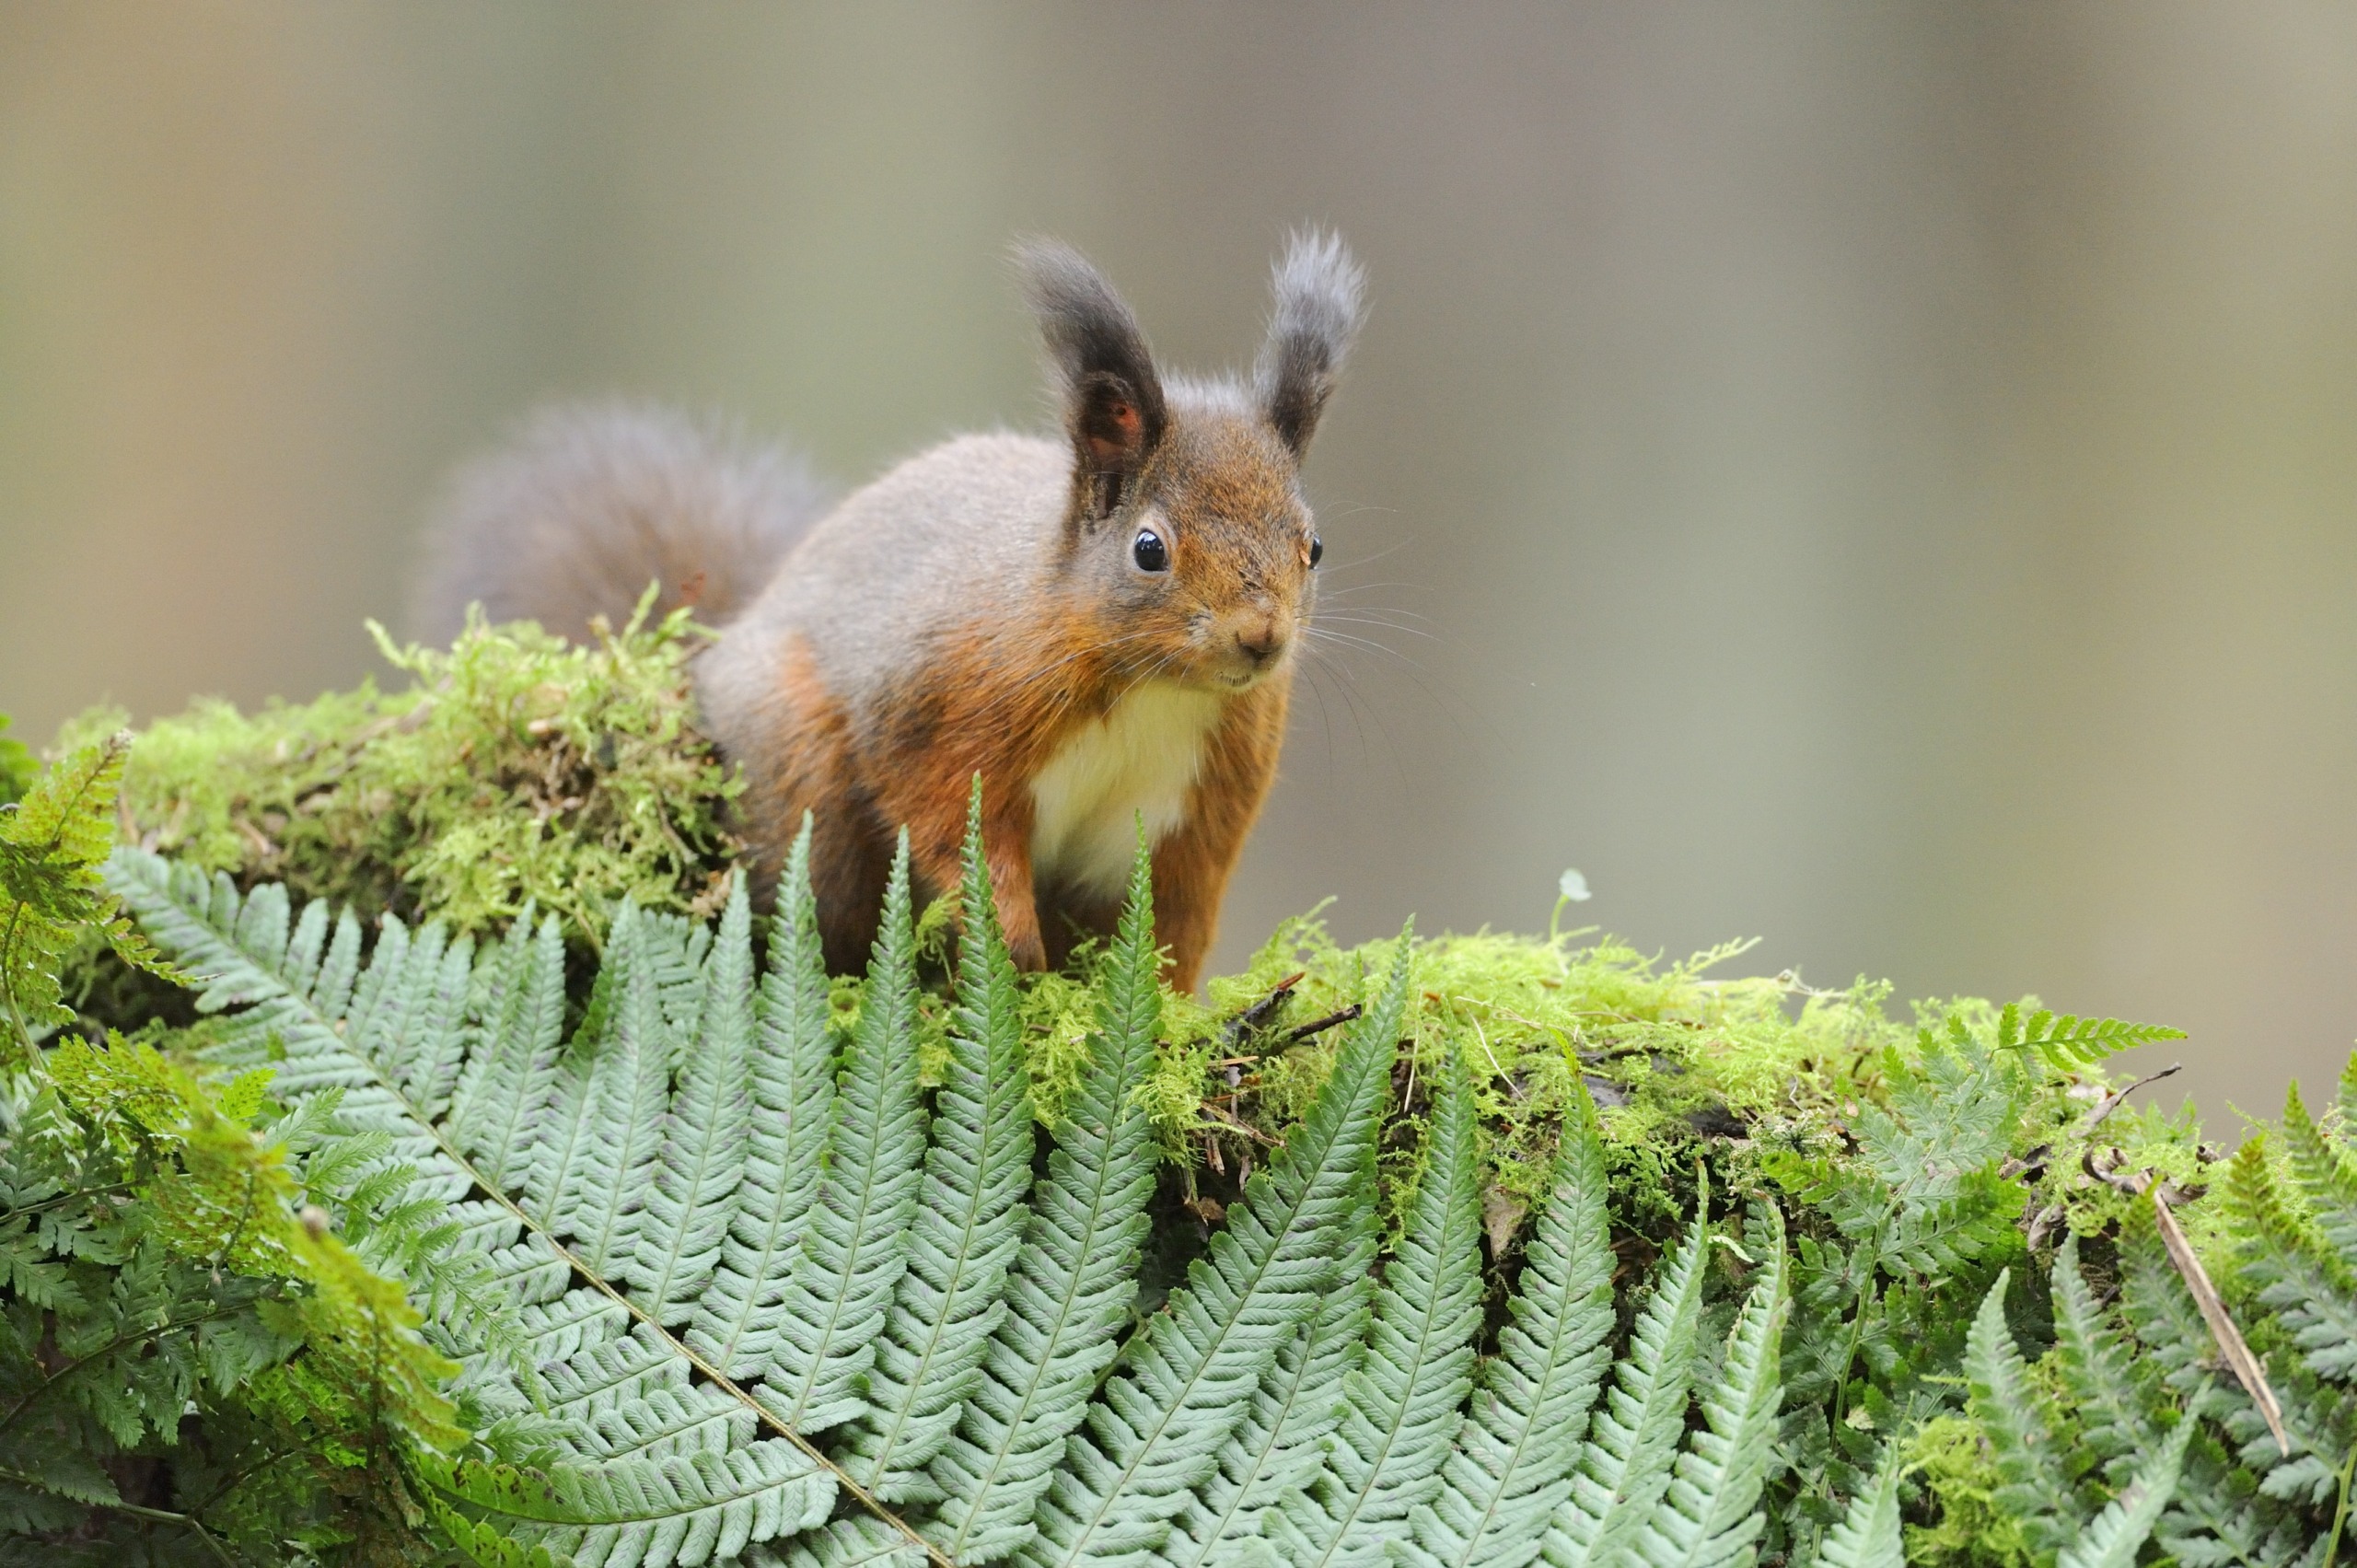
(2340, 1511)
(64, 1198)
(156, 1515)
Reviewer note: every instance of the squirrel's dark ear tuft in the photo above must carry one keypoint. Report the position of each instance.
(1320, 300)
(1112, 394)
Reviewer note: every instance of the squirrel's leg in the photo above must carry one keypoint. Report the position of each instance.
(936, 849)
(1189, 876)
(1009, 856)
(1192, 864)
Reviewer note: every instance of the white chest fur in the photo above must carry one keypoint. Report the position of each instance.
(1141, 757)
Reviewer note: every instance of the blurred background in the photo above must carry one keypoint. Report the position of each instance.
(1879, 479)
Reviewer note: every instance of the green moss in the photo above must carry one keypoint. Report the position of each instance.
(1960, 1473)
(514, 768)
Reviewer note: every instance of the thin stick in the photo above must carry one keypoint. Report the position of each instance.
(2245, 1365)
(2110, 1102)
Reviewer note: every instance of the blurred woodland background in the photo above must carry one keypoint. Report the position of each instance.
(1880, 479)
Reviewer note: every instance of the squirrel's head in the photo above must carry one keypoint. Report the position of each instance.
(1185, 532)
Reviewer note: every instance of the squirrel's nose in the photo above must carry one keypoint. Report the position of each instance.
(1262, 641)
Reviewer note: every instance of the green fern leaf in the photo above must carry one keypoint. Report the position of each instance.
(1403, 1404)
(481, 1542)
(681, 1508)
(701, 1154)
(2113, 1537)
(664, 1472)
(2072, 1043)
(2013, 1417)
(1939, 1236)
(846, 1544)
(416, 1033)
(613, 1091)
(1075, 1278)
(2325, 1176)
(1951, 1114)
(855, 1239)
(969, 1221)
(520, 1028)
(1158, 1429)
(2093, 1360)
(1280, 1446)
(1625, 1465)
(1868, 1535)
(1709, 1515)
(1513, 1462)
(2214, 1520)
(793, 1078)
(2298, 1274)
(53, 844)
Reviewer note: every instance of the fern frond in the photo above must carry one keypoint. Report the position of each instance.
(858, 1542)
(1158, 1429)
(2326, 1174)
(1951, 1113)
(1075, 1277)
(702, 1506)
(53, 844)
(1868, 1536)
(1511, 1464)
(1403, 1404)
(791, 1072)
(520, 1024)
(701, 1155)
(2215, 1519)
(663, 1470)
(1280, 1446)
(2113, 1537)
(2298, 1274)
(1625, 1464)
(1934, 1236)
(855, 1238)
(2013, 1417)
(2073, 1042)
(1708, 1514)
(613, 1089)
(969, 1221)
(2094, 1365)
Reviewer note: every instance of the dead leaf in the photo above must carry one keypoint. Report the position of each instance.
(1502, 1215)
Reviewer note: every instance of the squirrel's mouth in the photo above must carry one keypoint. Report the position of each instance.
(1238, 678)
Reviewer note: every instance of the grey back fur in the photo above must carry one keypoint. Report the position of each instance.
(594, 502)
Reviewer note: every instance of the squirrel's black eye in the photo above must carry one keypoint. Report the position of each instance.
(1316, 549)
(1150, 552)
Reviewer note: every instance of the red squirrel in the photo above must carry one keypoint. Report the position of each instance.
(1103, 627)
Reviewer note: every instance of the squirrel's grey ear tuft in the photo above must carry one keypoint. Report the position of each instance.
(1320, 300)
(1112, 394)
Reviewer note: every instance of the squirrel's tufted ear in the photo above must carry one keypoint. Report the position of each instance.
(1112, 395)
(1320, 300)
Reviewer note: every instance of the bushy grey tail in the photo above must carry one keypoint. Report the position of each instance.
(593, 501)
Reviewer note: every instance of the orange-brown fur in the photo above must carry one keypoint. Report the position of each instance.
(978, 611)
